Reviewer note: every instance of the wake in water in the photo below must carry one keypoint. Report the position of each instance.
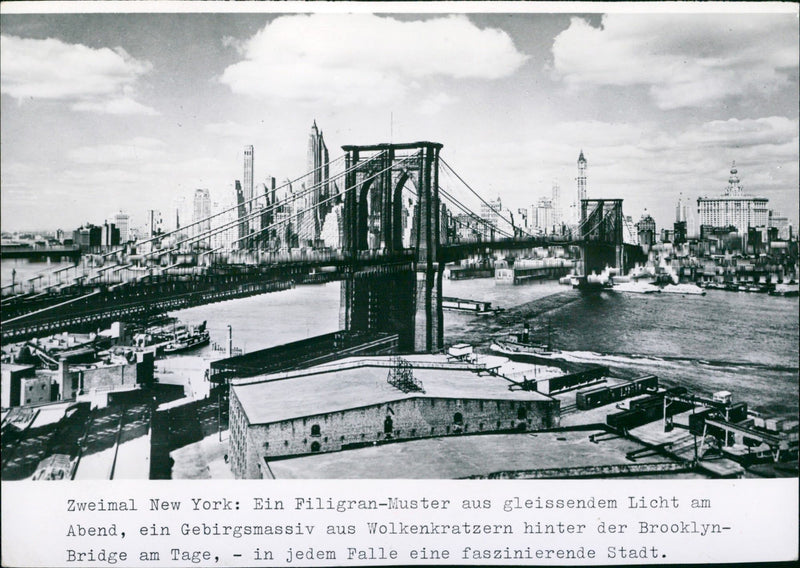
(769, 389)
(622, 358)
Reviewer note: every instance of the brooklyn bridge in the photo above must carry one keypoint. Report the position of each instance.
(404, 214)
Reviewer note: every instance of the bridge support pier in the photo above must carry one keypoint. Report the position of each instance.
(428, 319)
(380, 303)
(403, 298)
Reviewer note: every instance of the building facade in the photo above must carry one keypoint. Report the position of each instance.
(556, 200)
(110, 235)
(734, 208)
(123, 223)
(353, 405)
(88, 236)
(201, 210)
(781, 224)
(490, 213)
(247, 178)
(154, 223)
(646, 230)
(543, 216)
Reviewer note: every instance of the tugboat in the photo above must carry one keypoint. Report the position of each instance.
(188, 339)
(521, 344)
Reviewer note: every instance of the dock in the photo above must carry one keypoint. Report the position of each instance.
(680, 444)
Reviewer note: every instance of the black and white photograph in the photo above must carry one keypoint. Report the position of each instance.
(415, 241)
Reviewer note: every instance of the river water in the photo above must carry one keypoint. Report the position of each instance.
(743, 343)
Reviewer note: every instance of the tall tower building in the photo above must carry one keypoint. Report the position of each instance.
(180, 212)
(241, 214)
(581, 179)
(122, 222)
(319, 174)
(247, 180)
(542, 215)
(680, 227)
(153, 222)
(556, 202)
(201, 210)
(681, 210)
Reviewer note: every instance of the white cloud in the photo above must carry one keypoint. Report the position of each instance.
(736, 133)
(119, 106)
(364, 58)
(135, 152)
(93, 80)
(435, 103)
(682, 60)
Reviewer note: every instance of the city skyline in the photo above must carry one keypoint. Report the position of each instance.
(661, 109)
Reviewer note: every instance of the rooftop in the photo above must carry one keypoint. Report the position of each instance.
(16, 367)
(361, 381)
(462, 456)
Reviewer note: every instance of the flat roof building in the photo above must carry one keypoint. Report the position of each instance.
(365, 401)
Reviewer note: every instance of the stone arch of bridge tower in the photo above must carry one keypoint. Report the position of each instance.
(406, 175)
(362, 227)
(403, 293)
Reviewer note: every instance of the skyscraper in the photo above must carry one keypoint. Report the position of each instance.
(247, 184)
(556, 202)
(241, 215)
(581, 194)
(542, 215)
(201, 211)
(317, 183)
(180, 211)
(122, 222)
(681, 210)
(681, 222)
(154, 221)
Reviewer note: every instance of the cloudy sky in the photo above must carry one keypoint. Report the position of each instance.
(103, 112)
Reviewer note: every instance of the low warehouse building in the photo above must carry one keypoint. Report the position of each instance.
(361, 402)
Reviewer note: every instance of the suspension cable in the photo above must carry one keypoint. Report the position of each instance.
(239, 221)
(499, 214)
(297, 213)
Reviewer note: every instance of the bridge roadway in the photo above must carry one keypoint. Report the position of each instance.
(454, 252)
(88, 306)
(40, 254)
(117, 292)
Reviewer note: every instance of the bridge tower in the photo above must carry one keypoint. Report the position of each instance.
(403, 295)
(601, 233)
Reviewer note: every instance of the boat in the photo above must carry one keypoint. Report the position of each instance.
(790, 290)
(464, 305)
(521, 344)
(190, 339)
(636, 287)
(689, 289)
